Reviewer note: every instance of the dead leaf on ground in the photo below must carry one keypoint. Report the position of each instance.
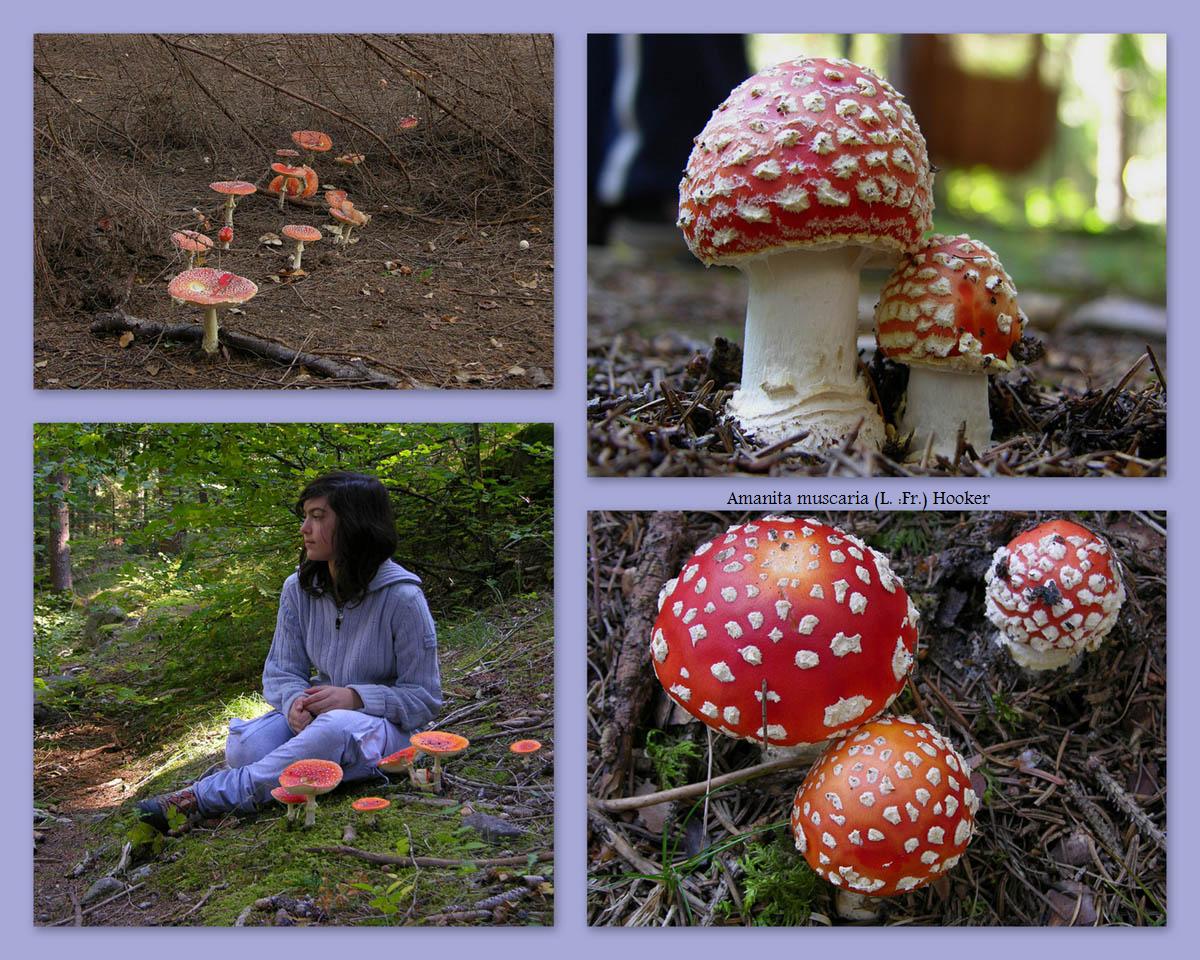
(488, 305)
(125, 339)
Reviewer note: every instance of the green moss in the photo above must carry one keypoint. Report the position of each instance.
(779, 888)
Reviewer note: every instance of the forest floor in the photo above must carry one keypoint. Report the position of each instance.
(664, 355)
(436, 292)
(1070, 764)
(112, 729)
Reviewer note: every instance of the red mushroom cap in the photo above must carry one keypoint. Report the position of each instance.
(207, 287)
(287, 170)
(808, 153)
(335, 198)
(236, 188)
(225, 234)
(290, 799)
(439, 743)
(1057, 587)
(302, 232)
(399, 761)
(811, 611)
(347, 214)
(886, 809)
(950, 303)
(312, 140)
(370, 804)
(311, 181)
(287, 153)
(311, 777)
(407, 123)
(525, 746)
(191, 241)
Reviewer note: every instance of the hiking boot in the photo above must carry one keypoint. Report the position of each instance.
(154, 809)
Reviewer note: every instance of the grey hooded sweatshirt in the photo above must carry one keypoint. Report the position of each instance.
(384, 647)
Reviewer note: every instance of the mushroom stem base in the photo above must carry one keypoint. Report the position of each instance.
(310, 811)
(940, 403)
(800, 370)
(210, 330)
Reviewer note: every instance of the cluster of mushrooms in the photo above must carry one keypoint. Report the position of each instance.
(807, 172)
(790, 632)
(213, 288)
(303, 781)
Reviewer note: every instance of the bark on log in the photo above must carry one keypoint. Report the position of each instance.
(117, 321)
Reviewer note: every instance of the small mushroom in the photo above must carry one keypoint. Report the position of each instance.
(310, 778)
(886, 809)
(349, 159)
(293, 802)
(289, 181)
(372, 806)
(312, 142)
(231, 190)
(439, 744)
(302, 234)
(211, 289)
(194, 244)
(949, 311)
(1054, 592)
(349, 217)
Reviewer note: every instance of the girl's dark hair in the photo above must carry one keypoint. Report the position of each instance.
(365, 534)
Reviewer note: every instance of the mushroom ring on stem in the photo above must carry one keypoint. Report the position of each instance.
(311, 778)
(788, 619)
(808, 169)
(1054, 592)
(949, 311)
(231, 190)
(886, 809)
(211, 289)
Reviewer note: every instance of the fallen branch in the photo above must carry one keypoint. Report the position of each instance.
(1126, 803)
(384, 858)
(622, 804)
(117, 321)
(96, 906)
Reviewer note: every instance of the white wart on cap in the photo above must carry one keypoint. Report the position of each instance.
(790, 617)
(1054, 592)
(805, 166)
(885, 810)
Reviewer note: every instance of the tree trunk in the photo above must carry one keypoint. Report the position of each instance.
(60, 535)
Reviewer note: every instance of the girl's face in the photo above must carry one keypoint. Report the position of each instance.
(318, 528)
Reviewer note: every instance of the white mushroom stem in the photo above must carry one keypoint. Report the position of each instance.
(937, 405)
(210, 330)
(800, 365)
(346, 228)
(282, 192)
(298, 254)
(310, 810)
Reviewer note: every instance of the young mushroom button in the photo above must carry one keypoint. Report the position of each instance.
(885, 810)
(785, 618)
(1054, 592)
(949, 311)
(806, 170)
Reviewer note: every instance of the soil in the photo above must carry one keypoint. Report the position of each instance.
(1071, 764)
(436, 293)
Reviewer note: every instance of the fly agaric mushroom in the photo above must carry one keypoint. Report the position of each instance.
(310, 778)
(312, 141)
(886, 809)
(209, 288)
(399, 762)
(225, 235)
(371, 805)
(335, 198)
(1053, 592)
(302, 234)
(293, 802)
(311, 182)
(949, 311)
(350, 217)
(288, 182)
(349, 159)
(791, 620)
(524, 750)
(194, 244)
(439, 744)
(231, 190)
(807, 169)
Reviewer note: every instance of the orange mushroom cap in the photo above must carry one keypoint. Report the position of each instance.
(525, 746)
(290, 799)
(311, 777)
(191, 241)
(886, 809)
(287, 170)
(351, 216)
(439, 743)
(399, 761)
(236, 188)
(301, 232)
(335, 198)
(312, 140)
(370, 804)
(311, 181)
(207, 287)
